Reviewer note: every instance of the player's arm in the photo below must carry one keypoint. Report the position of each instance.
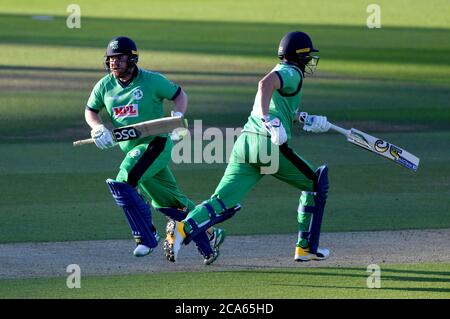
(102, 136)
(266, 86)
(181, 103)
(92, 118)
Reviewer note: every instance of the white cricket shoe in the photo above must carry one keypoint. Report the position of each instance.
(142, 250)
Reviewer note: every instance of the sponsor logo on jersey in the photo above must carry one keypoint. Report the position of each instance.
(130, 110)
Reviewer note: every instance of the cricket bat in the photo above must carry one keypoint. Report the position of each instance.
(143, 129)
(380, 147)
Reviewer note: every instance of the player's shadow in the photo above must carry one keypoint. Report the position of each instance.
(411, 289)
(388, 281)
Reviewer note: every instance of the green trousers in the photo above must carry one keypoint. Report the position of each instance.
(146, 166)
(252, 158)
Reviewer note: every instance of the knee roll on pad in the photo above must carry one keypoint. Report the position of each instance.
(137, 212)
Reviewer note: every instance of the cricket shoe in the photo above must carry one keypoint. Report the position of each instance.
(303, 254)
(216, 238)
(175, 236)
(211, 258)
(143, 250)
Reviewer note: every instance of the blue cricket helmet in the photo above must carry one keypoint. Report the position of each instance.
(297, 47)
(122, 45)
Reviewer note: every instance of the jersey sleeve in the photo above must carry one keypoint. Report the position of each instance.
(165, 89)
(289, 79)
(95, 101)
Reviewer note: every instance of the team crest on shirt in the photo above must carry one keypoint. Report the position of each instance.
(130, 110)
(135, 153)
(138, 94)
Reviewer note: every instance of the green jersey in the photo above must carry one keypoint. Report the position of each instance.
(142, 100)
(284, 102)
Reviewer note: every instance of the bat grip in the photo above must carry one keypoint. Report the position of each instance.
(83, 142)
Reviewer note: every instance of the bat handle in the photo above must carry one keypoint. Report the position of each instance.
(339, 129)
(83, 142)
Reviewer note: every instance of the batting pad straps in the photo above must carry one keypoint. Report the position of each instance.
(210, 209)
(213, 219)
(193, 225)
(305, 217)
(214, 209)
(306, 209)
(221, 203)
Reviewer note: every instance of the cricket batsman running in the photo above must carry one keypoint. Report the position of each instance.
(131, 95)
(269, 127)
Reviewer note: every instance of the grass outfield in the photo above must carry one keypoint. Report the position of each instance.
(68, 197)
(219, 57)
(391, 82)
(413, 281)
(397, 96)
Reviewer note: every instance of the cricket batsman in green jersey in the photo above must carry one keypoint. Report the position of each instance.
(269, 129)
(131, 95)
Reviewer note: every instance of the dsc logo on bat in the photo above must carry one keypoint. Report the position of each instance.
(125, 134)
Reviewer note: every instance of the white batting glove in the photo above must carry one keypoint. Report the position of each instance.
(176, 114)
(276, 130)
(180, 133)
(314, 123)
(103, 137)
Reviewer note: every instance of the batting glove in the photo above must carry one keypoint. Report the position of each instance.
(276, 130)
(176, 114)
(178, 134)
(103, 137)
(314, 123)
